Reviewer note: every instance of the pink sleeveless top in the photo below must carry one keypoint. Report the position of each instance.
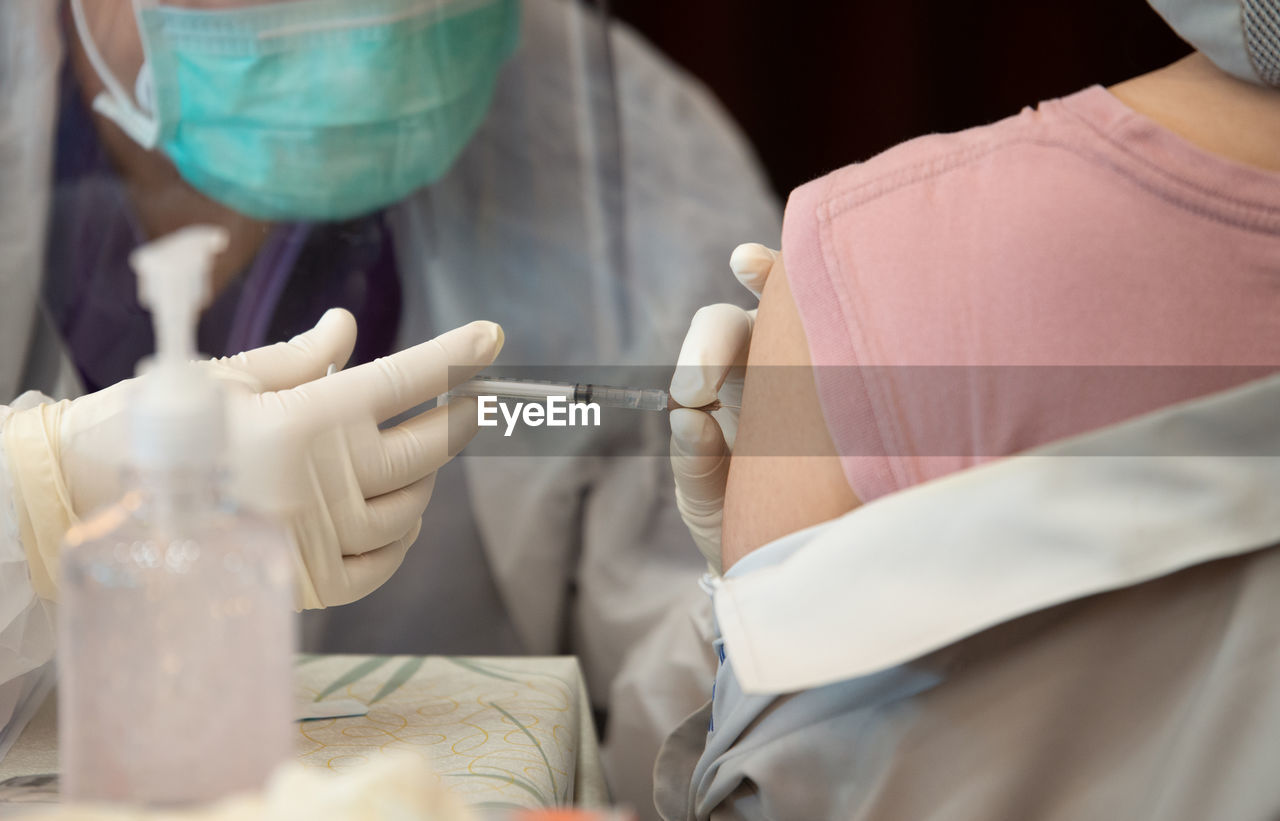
(972, 295)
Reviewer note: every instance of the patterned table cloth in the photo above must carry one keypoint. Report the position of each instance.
(501, 732)
(510, 731)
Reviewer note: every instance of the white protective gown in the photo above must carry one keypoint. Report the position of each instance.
(586, 553)
(572, 553)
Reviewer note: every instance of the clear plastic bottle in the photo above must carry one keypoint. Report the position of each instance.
(176, 623)
(177, 635)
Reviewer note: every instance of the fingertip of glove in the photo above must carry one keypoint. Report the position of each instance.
(684, 423)
(411, 536)
(334, 336)
(336, 314)
(693, 432)
(751, 259)
(689, 388)
(337, 319)
(488, 339)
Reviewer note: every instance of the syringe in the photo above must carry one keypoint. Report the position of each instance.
(607, 396)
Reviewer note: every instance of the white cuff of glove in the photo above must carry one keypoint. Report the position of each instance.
(40, 496)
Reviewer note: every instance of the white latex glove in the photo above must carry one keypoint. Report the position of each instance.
(305, 444)
(710, 367)
(356, 493)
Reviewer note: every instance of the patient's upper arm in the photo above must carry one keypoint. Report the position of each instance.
(785, 474)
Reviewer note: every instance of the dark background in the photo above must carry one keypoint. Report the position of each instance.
(819, 85)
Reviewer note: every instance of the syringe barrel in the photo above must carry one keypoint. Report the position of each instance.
(513, 388)
(607, 396)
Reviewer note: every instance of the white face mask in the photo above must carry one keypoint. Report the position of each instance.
(1241, 37)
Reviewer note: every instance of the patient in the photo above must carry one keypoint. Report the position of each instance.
(950, 302)
(1120, 227)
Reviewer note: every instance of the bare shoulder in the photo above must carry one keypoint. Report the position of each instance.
(785, 475)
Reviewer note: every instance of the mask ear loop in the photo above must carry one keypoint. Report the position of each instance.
(115, 103)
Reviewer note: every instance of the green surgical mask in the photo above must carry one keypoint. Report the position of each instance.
(311, 109)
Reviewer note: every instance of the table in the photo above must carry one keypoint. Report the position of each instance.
(509, 731)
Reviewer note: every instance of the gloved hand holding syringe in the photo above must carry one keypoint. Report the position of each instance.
(606, 396)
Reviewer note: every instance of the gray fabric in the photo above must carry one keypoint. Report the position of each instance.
(1262, 38)
(1153, 702)
(30, 53)
(666, 676)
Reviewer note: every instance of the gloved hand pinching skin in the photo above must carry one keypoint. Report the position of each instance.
(711, 364)
(304, 445)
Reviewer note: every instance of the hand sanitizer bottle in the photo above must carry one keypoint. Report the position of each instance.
(176, 622)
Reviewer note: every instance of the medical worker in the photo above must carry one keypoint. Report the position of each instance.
(1089, 633)
(419, 165)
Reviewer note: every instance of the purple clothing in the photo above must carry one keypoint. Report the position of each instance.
(301, 270)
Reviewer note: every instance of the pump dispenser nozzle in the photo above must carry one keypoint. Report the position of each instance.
(178, 410)
(173, 282)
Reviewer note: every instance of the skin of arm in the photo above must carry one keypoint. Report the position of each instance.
(785, 475)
